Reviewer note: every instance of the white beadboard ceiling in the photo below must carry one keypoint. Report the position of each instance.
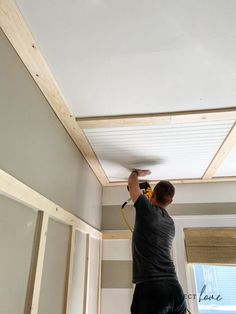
(175, 151)
(138, 56)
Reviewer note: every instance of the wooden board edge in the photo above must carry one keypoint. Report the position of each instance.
(226, 147)
(181, 181)
(39, 263)
(100, 276)
(87, 274)
(15, 189)
(116, 234)
(70, 267)
(19, 35)
(157, 118)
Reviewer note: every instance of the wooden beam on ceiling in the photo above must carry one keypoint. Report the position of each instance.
(157, 118)
(228, 144)
(16, 30)
(181, 181)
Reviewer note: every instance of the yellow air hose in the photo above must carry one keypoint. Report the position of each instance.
(146, 191)
(122, 210)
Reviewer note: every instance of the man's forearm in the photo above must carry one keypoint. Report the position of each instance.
(133, 185)
(133, 179)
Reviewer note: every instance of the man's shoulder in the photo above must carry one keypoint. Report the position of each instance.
(142, 202)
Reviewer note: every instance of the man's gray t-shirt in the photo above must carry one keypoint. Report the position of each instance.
(153, 234)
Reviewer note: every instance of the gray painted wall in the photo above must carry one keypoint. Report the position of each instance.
(17, 232)
(53, 283)
(36, 149)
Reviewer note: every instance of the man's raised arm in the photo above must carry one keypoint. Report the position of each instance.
(133, 183)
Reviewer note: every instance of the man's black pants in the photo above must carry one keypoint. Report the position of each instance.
(162, 296)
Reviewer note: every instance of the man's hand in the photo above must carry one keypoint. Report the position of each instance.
(133, 183)
(142, 173)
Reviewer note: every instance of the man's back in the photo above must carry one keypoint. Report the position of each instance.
(152, 240)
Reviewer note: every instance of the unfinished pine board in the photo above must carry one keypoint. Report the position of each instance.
(13, 188)
(157, 119)
(99, 277)
(15, 28)
(17, 232)
(224, 150)
(228, 166)
(38, 265)
(116, 235)
(70, 270)
(182, 181)
(87, 274)
(174, 151)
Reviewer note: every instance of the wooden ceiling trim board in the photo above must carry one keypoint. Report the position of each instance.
(116, 235)
(181, 181)
(15, 28)
(228, 144)
(157, 119)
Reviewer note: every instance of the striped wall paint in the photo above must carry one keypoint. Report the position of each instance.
(112, 219)
(118, 250)
(116, 277)
(116, 301)
(117, 274)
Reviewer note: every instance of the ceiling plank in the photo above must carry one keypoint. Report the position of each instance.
(228, 144)
(157, 118)
(180, 181)
(16, 30)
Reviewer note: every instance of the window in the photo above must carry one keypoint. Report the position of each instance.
(216, 289)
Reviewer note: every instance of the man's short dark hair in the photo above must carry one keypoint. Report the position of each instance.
(164, 192)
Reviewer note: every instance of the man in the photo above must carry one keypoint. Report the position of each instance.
(157, 289)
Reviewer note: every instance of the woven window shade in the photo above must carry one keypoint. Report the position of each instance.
(211, 245)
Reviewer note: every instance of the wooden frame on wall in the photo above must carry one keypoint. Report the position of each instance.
(21, 193)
